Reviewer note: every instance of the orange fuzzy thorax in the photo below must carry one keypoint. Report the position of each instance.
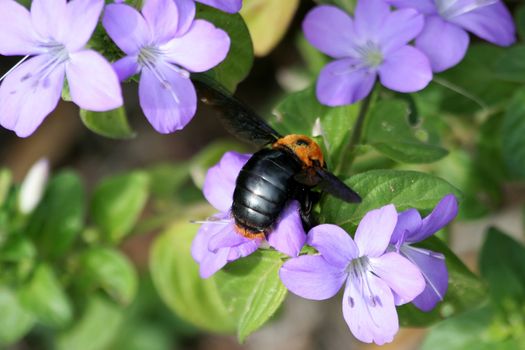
(307, 154)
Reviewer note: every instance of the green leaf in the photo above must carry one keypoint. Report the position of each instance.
(389, 132)
(45, 297)
(176, 278)
(15, 321)
(510, 66)
(348, 5)
(109, 270)
(239, 61)
(519, 16)
(465, 290)
(463, 332)
(166, 179)
(5, 185)
(299, 113)
(95, 330)
(208, 157)
(113, 124)
(59, 216)
(118, 202)
(405, 189)
(502, 264)
(267, 21)
(252, 290)
(313, 58)
(473, 84)
(513, 135)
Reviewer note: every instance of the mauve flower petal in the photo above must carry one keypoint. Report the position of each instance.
(405, 70)
(213, 262)
(334, 244)
(445, 44)
(493, 23)
(244, 249)
(24, 101)
(230, 6)
(93, 84)
(126, 27)
(82, 18)
(403, 277)
(434, 270)
(219, 183)
(444, 212)
(48, 17)
(288, 235)
(126, 67)
(369, 19)
(400, 27)
(422, 6)
(330, 30)
(342, 83)
(162, 18)
(203, 47)
(17, 36)
(199, 246)
(186, 9)
(227, 237)
(311, 277)
(169, 104)
(408, 223)
(374, 231)
(371, 318)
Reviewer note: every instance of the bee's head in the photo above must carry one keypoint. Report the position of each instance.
(306, 149)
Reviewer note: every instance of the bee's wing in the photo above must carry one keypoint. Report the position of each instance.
(331, 184)
(238, 118)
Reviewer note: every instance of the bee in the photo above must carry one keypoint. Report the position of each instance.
(290, 168)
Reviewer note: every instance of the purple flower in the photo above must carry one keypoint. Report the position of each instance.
(164, 43)
(217, 241)
(444, 38)
(230, 6)
(54, 33)
(374, 43)
(411, 229)
(372, 276)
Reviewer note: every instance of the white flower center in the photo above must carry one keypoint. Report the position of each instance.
(452, 8)
(370, 54)
(357, 271)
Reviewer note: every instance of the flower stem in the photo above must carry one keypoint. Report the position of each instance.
(347, 156)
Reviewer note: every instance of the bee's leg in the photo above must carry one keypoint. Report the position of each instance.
(308, 201)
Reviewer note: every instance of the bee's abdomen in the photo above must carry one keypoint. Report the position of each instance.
(262, 189)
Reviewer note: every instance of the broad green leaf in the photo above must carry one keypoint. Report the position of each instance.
(404, 189)
(18, 248)
(176, 278)
(463, 332)
(301, 113)
(113, 124)
(239, 61)
(519, 16)
(208, 157)
(510, 65)
(267, 21)
(465, 290)
(502, 264)
(252, 290)
(389, 132)
(59, 217)
(314, 59)
(513, 135)
(45, 297)
(166, 179)
(95, 330)
(473, 84)
(348, 5)
(15, 320)
(118, 202)
(109, 270)
(5, 185)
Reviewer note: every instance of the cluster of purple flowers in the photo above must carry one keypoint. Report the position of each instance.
(375, 42)
(164, 43)
(380, 268)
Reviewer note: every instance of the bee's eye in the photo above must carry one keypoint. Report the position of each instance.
(302, 142)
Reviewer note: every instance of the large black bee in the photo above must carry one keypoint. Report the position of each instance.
(289, 169)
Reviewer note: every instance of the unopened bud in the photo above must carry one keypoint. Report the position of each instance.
(33, 186)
